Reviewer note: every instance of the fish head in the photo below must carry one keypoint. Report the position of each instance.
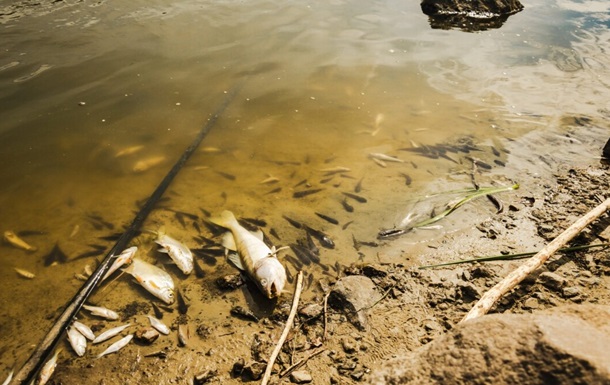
(270, 275)
(167, 295)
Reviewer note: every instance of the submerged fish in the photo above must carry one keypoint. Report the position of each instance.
(125, 257)
(148, 163)
(102, 312)
(49, 367)
(14, 240)
(384, 157)
(115, 347)
(157, 281)
(108, 334)
(84, 330)
(77, 341)
(24, 273)
(254, 256)
(178, 252)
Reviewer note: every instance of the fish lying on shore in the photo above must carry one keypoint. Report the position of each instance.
(125, 257)
(155, 280)
(253, 256)
(84, 330)
(159, 325)
(102, 312)
(19, 243)
(77, 341)
(108, 334)
(115, 347)
(49, 367)
(178, 252)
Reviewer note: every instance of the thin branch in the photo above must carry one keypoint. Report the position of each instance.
(293, 311)
(516, 276)
(301, 362)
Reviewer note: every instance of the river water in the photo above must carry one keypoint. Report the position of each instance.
(100, 98)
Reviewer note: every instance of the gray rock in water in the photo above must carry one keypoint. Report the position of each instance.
(471, 15)
(566, 345)
(354, 295)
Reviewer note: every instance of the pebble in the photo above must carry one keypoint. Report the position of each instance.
(300, 377)
(569, 292)
(312, 310)
(551, 280)
(531, 304)
(147, 335)
(349, 346)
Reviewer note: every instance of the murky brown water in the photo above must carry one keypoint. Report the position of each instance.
(324, 85)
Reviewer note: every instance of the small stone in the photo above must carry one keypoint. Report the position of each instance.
(531, 304)
(254, 371)
(300, 377)
(551, 280)
(230, 282)
(147, 335)
(349, 346)
(354, 295)
(569, 292)
(205, 377)
(238, 368)
(312, 310)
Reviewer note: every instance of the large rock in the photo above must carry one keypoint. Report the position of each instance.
(354, 295)
(568, 345)
(469, 15)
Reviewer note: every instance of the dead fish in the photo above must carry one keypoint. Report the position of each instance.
(155, 280)
(183, 334)
(148, 163)
(108, 334)
(349, 208)
(304, 193)
(210, 150)
(115, 347)
(55, 255)
(380, 162)
(9, 378)
(128, 150)
(245, 314)
(24, 273)
(49, 367)
(269, 180)
(384, 157)
(84, 330)
(178, 252)
(158, 325)
(124, 258)
(102, 312)
(321, 237)
(335, 170)
(77, 341)
(14, 240)
(327, 218)
(355, 197)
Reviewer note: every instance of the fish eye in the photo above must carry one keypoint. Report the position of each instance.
(264, 281)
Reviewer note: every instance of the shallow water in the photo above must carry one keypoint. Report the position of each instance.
(323, 86)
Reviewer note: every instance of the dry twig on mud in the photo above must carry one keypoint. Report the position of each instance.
(293, 312)
(301, 362)
(517, 275)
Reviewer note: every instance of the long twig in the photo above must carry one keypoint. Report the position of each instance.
(293, 311)
(301, 362)
(495, 293)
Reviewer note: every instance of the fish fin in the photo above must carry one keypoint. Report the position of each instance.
(228, 241)
(258, 234)
(234, 259)
(163, 250)
(226, 219)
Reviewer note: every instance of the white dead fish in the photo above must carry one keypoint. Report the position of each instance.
(157, 281)
(77, 341)
(108, 334)
(254, 256)
(380, 163)
(336, 169)
(123, 258)
(158, 324)
(384, 157)
(148, 163)
(14, 240)
(128, 150)
(115, 347)
(211, 149)
(25, 273)
(102, 312)
(9, 378)
(84, 330)
(49, 367)
(75, 231)
(178, 252)
(269, 180)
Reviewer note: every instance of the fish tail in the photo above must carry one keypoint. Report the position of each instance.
(226, 219)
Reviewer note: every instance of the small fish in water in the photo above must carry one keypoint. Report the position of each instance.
(178, 252)
(125, 257)
(226, 175)
(115, 347)
(183, 334)
(148, 163)
(355, 197)
(102, 312)
(408, 179)
(84, 330)
(349, 208)
(158, 324)
(293, 222)
(384, 157)
(14, 240)
(108, 334)
(77, 341)
(243, 313)
(253, 256)
(327, 218)
(49, 367)
(128, 151)
(301, 194)
(155, 280)
(321, 237)
(24, 273)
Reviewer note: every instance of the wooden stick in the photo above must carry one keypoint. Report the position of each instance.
(517, 275)
(301, 362)
(293, 312)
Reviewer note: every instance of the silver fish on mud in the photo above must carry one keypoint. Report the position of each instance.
(49, 367)
(178, 252)
(155, 280)
(253, 256)
(84, 330)
(159, 325)
(115, 347)
(108, 334)
(77, 341)
(19, 243)
(125, 257)
(102, 312)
